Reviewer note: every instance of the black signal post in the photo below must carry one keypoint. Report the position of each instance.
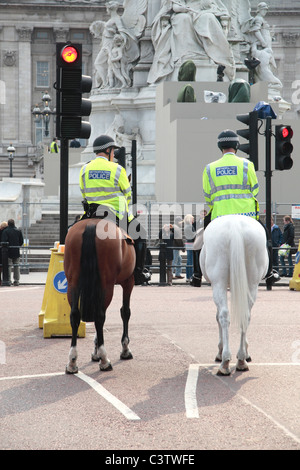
(70, 108)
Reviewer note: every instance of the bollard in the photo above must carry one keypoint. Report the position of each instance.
(162, 264)
(5, 271)
(47, 285)
(56, 320)
(295, 281)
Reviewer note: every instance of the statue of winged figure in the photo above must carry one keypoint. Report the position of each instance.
(117, 57)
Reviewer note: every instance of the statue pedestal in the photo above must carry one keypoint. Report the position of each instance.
(206, 71)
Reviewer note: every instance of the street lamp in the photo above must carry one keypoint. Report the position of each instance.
(45, 113)
(11, 150)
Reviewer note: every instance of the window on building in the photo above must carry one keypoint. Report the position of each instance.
(42, 35)
(42, 74)
(77, 35)
(39, 131)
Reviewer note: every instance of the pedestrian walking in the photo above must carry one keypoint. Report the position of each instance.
(178, 246)
(3, 225)
(14, 237)
(288, 239)
(189, 233)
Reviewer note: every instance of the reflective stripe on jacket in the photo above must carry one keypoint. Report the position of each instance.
(230, 187)
(105, 182)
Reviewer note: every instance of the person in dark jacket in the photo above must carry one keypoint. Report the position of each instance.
(289, 239)
(3, 225)
(14, 237)
(166, 234)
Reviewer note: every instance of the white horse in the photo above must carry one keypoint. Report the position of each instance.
(234, 255)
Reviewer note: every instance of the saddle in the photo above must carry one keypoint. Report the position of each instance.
(99, 211)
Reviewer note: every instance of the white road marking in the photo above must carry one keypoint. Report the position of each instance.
(191, 407)
(127, 412)
(36, 376)
(191, 400)
(10, 288)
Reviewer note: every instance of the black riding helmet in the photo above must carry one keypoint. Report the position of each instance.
(228, 139)
(103, 142)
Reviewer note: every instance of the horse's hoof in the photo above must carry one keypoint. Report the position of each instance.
(224, 372)
(95, 358)
(126, 356)
(71, 369)
(248, 359)
(242, 366)
(106, 368)
(217, 359)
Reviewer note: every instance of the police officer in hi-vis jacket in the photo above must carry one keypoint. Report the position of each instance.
(230, 186)
(104, 183)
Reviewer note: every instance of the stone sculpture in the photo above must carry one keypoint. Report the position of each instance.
(189, 29)
(119, 50)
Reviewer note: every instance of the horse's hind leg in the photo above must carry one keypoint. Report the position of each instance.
(242, 356)
(125, 315)
(100, 353)
(71, 367)
(220, 298)
(220, 344)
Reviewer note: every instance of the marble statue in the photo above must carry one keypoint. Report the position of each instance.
(189, 29)
(119, 50)
(257, 33)
(257, 30)
(122, 138)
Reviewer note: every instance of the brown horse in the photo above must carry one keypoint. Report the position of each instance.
(97, 256)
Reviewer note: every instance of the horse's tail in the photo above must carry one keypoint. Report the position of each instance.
(90, 292)
(239, 281)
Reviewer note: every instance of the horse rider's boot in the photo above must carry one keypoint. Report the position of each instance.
(197, 275)
(272, 275)
(141, 274)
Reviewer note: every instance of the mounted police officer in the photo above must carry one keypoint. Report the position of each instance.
(230, 187)
(106, 191)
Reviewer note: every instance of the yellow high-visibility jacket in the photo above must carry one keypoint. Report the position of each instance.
(106, 183)
(53, 147)
(230, 187)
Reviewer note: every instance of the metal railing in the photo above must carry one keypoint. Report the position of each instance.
(161, 267)
(152, 214)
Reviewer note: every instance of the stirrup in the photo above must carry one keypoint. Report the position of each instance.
(195, 281)
(141, 277)
(273, 277)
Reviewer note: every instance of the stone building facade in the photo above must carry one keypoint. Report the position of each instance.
(29, 31)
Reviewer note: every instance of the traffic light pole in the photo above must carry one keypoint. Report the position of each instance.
(64, 188)
(134, 186)
(268, 176)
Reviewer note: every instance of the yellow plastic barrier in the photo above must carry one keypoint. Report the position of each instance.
(295, 281)
(57, 309)
(47, 285)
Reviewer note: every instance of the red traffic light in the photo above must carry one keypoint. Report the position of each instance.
(69, 54)
(287, 132)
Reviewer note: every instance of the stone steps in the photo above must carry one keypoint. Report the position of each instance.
(20, 168)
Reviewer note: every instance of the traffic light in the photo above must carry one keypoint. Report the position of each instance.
(283, 147)
(120, 156)
(250, 134)
(70, 85)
